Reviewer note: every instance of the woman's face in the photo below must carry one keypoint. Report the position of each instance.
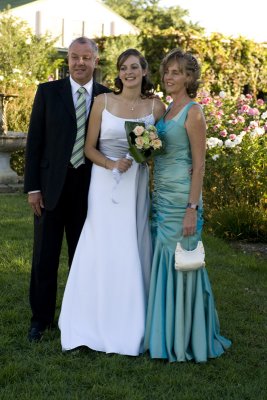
(174, 78)
(131, 72)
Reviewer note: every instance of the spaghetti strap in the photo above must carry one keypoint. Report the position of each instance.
(105, 100)
(153, 103)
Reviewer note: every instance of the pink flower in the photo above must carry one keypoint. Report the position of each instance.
(168, 99)
(156, 144)
(153, 135)
(260, 102)
(218, 103)
(253, 111)
(244, 109)
(248, 96)
(223, 133)
(139, 142)
(232, 136)
(253, 124)
(240, 118)
(138, 130)
(206, 100)
(216, 127)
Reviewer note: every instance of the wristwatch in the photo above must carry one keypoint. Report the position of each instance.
(191, 205)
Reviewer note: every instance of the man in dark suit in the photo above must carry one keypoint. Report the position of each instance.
(57, 187)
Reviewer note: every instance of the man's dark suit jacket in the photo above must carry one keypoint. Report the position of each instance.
(51, 137)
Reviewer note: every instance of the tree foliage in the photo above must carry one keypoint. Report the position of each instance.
(25, 60)
(148, 15)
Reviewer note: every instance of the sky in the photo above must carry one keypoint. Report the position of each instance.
(229, 17)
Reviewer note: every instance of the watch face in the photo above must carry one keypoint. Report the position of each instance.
(194, 206)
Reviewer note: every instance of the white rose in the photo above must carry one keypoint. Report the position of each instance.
(229, 143)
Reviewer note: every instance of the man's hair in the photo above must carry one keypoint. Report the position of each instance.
(86, 40)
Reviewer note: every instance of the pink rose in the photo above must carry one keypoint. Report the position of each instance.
(240, 118)
(139, 141)
(218, 103)
(216, 127)
(138, 130)
(244, 109)
(253, 111)
(253, 124)
(232, 136)
(152, 135)
(260, 102)
(223, 133)
(235, 121)
(206, 100)
(156, 144)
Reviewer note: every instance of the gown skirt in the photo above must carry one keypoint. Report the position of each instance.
(105, 299)
(182, 322)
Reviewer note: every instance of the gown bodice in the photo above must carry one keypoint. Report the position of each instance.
(113, 141)
(176, 160)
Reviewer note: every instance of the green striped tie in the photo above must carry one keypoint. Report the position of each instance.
(77, 157)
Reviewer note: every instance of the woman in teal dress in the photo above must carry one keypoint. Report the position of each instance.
(182, 322)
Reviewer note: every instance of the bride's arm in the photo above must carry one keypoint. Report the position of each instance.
(93, 132)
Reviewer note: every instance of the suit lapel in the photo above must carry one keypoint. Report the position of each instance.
(66, 96)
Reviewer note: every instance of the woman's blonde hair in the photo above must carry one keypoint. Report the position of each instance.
(188, 65)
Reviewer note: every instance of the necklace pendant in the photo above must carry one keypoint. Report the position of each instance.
(132, 109)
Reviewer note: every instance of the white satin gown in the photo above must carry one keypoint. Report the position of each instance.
(105, 299)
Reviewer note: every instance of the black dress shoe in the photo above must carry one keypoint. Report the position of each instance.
(35, 334)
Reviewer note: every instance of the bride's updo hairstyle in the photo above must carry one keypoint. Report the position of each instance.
(147, 87)
(187, 64)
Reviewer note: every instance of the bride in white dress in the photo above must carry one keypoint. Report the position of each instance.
(105, 299)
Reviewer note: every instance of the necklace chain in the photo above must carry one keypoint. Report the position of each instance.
(132, 107)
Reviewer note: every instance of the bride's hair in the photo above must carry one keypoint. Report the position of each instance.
(187, 65)
(147, 87)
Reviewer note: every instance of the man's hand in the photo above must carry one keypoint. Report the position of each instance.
(35, 201)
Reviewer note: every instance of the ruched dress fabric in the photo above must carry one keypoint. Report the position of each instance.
(105, 299)
(182, 322)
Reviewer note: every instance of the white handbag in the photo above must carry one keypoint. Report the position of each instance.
(189, 260)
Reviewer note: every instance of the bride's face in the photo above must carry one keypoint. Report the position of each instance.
(131, 72)
(174, 78)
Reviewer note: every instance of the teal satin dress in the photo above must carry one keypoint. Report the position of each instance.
(182, 322)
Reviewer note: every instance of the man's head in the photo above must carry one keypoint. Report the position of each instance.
(82, 59)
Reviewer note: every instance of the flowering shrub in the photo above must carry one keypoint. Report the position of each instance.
(235, 186)
(229, 121)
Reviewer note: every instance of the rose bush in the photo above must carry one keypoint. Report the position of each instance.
(235, 185)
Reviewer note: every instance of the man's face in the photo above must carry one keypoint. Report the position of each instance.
(82, 62)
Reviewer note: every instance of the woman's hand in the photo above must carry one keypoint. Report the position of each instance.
(190, 222)
(123, 164)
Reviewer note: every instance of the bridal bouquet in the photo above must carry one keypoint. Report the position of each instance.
(143, 141)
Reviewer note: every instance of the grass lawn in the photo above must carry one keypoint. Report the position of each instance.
(42, 371)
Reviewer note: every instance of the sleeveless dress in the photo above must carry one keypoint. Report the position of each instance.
(182, 322)
(105, 299)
